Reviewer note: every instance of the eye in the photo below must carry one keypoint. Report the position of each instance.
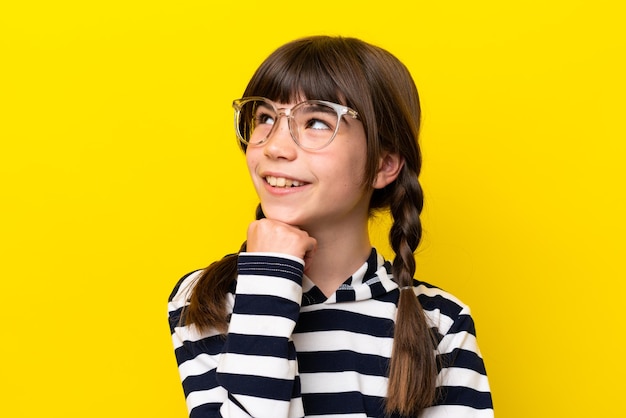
(319, 118)
(318, 124)
(262, 117)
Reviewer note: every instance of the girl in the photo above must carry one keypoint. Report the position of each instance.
(308, 319)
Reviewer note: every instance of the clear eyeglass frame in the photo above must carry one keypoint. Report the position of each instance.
(247, 128)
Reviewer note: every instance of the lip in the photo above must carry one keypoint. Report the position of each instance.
(282, 190)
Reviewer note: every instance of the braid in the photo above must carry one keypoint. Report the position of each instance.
(412, 370)
(207, 307)
(406, 231)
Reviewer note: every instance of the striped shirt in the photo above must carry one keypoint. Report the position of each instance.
(292, 352)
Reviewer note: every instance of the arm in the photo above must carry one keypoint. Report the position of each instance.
(258, 365)
(251, 371)
(462, 385)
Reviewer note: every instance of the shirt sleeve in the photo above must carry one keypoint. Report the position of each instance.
(252, 370)
(462, 386)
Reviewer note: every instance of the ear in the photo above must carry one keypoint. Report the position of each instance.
(388, 169)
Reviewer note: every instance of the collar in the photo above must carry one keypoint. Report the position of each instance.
(371, 280)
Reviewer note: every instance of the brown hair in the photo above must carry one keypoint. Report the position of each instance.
(380, 88)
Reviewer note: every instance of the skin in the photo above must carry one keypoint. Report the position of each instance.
(324, 221)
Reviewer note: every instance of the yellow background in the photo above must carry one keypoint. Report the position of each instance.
(120, 172)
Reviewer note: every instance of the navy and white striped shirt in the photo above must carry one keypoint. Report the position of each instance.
(292, 352)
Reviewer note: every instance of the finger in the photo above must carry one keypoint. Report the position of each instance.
(309, 254)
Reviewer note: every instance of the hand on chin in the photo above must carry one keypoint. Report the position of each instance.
(271, 235)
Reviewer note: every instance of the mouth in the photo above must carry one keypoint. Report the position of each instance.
(282, 182)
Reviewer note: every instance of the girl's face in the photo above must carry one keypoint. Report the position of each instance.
(312, 189)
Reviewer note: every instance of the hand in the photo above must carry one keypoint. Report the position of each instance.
(267, 235)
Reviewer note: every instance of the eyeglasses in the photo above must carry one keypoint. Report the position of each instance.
(313, 124)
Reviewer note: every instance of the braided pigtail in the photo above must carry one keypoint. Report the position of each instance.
(413, 369)
(207, 302)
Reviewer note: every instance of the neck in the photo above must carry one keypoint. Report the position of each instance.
(339, 253)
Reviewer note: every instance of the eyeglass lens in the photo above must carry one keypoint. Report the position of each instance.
(312, 124)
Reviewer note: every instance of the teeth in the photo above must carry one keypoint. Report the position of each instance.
(282, 182)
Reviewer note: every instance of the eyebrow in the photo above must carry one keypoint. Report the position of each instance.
(266, 106)
(320, 108)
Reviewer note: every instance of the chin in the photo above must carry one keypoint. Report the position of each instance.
(285, 215)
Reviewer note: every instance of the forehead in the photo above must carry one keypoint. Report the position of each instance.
(292, 100)
(299, 102)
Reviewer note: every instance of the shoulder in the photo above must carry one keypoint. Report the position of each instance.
(462, 381)
(184, 286)
(442, 308)
(179, 298)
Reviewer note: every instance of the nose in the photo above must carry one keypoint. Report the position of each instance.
(280, 143)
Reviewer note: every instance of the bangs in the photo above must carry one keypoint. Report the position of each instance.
(303, 73)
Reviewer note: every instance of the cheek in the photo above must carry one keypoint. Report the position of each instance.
(251, 159)
(346, 174)
(355, 165)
